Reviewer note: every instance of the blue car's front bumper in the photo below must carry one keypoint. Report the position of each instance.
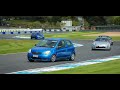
(30, 56)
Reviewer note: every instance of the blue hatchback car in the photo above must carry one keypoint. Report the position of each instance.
(37, 35)
(52, 49)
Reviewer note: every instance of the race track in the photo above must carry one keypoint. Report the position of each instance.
(17, 62)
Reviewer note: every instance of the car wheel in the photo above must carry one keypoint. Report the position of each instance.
(112, 43)
(53, 58)
(31, 60)
(72, 57)
(109, 49)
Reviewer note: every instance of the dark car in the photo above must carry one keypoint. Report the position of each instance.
(37, 36)
(52, 49)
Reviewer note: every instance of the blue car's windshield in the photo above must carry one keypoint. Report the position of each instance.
(101, 39)
(37, 34)
(47, 43)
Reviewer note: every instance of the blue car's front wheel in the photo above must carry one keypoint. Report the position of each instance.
(31, 60)
(72, 57)
(53, 58)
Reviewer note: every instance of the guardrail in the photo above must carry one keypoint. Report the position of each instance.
(19, 31)
(29, 31)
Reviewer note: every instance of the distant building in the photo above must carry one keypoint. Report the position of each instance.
(67, 26)
(67, 23)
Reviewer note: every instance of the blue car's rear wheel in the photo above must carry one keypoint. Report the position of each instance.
(53, 58)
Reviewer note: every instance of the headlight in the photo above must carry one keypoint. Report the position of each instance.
(47, 52)
(38, 36)
(94, 43)
(29, 51)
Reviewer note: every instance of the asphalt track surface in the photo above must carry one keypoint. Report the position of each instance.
(17, 62)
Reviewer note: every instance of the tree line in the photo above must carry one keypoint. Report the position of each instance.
(90, 20)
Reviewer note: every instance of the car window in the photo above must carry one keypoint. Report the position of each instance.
(47, 43)
(51, 43)
(104, 39)
(98, 39)
(61, 44)
(101, 39)
(68, 43)
(33, 33)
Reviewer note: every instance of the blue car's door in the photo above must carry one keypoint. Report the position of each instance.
(70, 48)
(61, 50)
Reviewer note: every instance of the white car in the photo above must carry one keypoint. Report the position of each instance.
(110, 39)
(101, 43)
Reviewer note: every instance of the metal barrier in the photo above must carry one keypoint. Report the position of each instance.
(19, 31)
(29, 31)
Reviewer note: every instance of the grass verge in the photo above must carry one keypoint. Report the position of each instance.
(77, 35)
(14, 46)
(110, 67)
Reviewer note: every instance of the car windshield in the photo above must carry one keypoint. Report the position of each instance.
(101, 39)
(36, 33)
(105, 36)
(47, 43)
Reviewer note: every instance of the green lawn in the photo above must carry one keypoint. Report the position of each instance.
(77, 35)
(72, 35)
(110, 67)
(14, 46)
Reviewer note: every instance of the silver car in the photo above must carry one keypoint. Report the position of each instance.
(110, 38)
(101, 43)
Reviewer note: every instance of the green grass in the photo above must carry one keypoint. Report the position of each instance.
(72, 35)
(116, 37)
(77, 35)
(110, 67)
(14, 46)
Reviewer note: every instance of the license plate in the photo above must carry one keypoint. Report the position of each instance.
(35, 55)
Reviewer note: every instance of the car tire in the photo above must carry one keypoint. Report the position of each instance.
(109, 49)
(31, 60)
(112, 43)
(53, 58)
(72, 57)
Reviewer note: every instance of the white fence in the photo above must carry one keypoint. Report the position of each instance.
(19, 31)
(29, 31)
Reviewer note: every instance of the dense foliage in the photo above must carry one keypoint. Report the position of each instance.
(55, 21)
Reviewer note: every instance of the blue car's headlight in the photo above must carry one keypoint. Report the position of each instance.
(47, 52)
(29, 51)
